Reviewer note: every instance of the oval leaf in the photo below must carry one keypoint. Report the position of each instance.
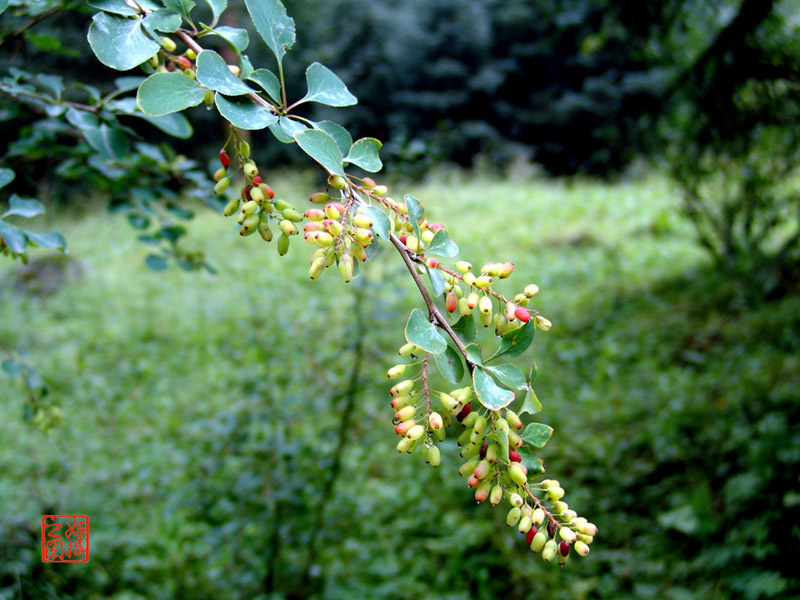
(466, 330)
(415, 213)
(24, 207)
(213, 73)
(217, 8)
(51, 239)
(442, 245)
(530, 460)
(380, 222)
(274, 26)
(501, 437)
(325, 87)
(322, 148)
(517, 341)
(120, 43)
(6, 177)
(342, 137)
(14, 237)
(165, 93)
(531, 404)
(509, 376)
(450, 365)
(155, 262)
(420, 331)
(237, 38)
(437, 282)
(537, 434)
(364, 154)
(474, 353)
(111, 143)
(244, 113)
(489, 393)
(267, 80)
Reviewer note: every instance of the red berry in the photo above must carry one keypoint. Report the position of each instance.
(403, 238)
(257, 179)
(269, 193)
(224, 159)
(452, 302)
(531, 532)
(464, 412)
(484, 448)
(514, 456)
(522, 314)
(185, 62)
(563, 548)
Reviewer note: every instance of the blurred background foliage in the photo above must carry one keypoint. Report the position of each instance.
(229, 443)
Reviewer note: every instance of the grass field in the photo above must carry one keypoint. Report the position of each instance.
(203, 412)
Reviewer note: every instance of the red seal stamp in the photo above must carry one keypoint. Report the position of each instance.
(65, 538)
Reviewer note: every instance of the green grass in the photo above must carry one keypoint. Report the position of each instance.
(202, 412)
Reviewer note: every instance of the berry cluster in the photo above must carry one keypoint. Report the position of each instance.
(495, 469)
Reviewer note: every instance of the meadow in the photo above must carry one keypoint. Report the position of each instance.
(229, 435)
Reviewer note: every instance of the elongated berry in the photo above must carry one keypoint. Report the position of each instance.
(482, 491)
(517, 475)
(416, 432)
(401, 401)
(522, 314)
(530, 535)
(566, 534)
(463, 266)
(220, 173)
(283, 244)
(581, 548)
(496, 495)
(483, 281)
(542, 323)
(249, 169)
(513, 419)
(463, 307)
(224, 159)
(231, 207)
(264, 231)
(588, 529)
(434, 456)
(257, 194)
(512, 518)
(244, 150)
(482, 469)
(396, 371)
(554, 493)
(249, 208)
(468, 467)
(380, 190)
(451, 303)
(468, 450)
(337, 181)
(531, 290)
(492, 453)
(515, 499)
(222, 185)
(404, 445)
(168, 44)
(435, 421)
(364, 221)
(317, 267)
(549, 551)
(405, 413)
(539, 540)
(464, 412)
(402, 387)
(525, 524)
(514, 456)
(363, 236)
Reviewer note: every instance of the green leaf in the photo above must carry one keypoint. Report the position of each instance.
(537, 434)
(236, 37)
(165, 93)
(501, 437)
(415, 213)
(450, 365)
(176, 124)
(120, 43)
(420, 331)
(274, 26)
(437, 282)
(292, 126)
(161, 20)
(509, 376)
(217, 8)
(183, 7)
(23, 207)
(442, 245)
(322, 148)
(81, 119)
(6, 177)
(14, 237)
(529, 459)
(364, 154)
(531, 404)
(53, 82)
(111, 143)
(474, 353)
(338, 133)
(517, 341)
(280, 134)
(155, 262)
(11, 366)
(325, 87)
(117, 7)
(380, 222)
(213, 73)
(489, 393)
(3, 6)
(268, 82)
(466, 330)
(244, 114)
(534, 374)
(51, 239)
